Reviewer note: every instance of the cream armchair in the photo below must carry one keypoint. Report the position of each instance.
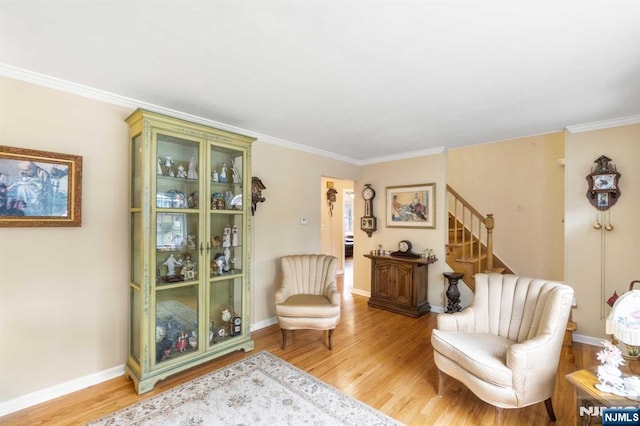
(308, 297)
(506, 345)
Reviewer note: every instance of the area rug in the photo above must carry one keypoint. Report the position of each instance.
(258, 390)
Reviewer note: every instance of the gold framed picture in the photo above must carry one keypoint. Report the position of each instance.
(411, 206)
(39, 188)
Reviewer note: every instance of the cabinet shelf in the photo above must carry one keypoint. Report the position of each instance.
(226, 211)
(227, 275)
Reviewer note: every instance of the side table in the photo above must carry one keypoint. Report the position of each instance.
(590, 400)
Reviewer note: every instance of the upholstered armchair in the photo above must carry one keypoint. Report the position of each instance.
(506, 345)
(308, 297)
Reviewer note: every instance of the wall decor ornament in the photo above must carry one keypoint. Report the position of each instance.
(368, 222)
(603, 191)
(39, 188)
(256, 193)
(411, 206)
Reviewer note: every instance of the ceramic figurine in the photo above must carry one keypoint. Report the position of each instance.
(168, 163)
(226, 237)
(214, 176)
(182, 173)
(237, 178)
(220, 265)
(171, 264)
(193, 342)
(234, 235)
(227, 256)
(191, 241)
(223, 173)
(182, 342)
(192, 201)
(609, 375)
(227, 197)
(192, 173)
(189, 269)
(159, 168)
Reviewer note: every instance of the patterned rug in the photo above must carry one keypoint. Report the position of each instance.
(259, 390)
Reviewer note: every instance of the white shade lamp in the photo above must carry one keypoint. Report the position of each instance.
(624, 321)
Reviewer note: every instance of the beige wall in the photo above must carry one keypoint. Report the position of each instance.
(294, 190)
(63, 291)
(521, 183)
(597, 257)
(414, 171)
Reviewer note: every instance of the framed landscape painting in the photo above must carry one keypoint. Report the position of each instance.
(39, 188)
(411, 206)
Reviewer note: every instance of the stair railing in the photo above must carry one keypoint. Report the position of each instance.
(470, 227)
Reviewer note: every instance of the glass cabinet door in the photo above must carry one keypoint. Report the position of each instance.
(226, 224)
(177, 246)
(176, 323)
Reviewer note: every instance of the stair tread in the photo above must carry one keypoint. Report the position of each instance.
(471, 259)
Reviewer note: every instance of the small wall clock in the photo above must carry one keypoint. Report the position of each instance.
(368, 222)
(603, 190)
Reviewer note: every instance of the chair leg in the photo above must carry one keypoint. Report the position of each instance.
(549, 405)
(440, 383)
(331, 339)
(498, 421)
(284, 338)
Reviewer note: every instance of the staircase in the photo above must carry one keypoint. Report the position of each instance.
(470, 246)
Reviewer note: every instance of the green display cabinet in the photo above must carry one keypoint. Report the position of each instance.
(189, 218)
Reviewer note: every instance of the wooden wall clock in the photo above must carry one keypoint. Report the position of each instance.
(603, 190)
(368, 222)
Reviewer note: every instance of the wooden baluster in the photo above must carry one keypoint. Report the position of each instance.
(489, 224)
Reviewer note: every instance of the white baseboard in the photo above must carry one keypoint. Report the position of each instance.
(593, 341)
(262, 324)
(437, 309)
(38, 397)
(361, 292)
(56, 391)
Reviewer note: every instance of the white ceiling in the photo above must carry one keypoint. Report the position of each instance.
(359, 79)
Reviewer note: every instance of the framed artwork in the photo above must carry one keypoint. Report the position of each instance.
(39, 188)
(411, 206)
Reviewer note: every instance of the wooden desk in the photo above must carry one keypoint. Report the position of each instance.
(587, 396)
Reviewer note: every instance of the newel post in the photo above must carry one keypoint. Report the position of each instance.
(453, 293)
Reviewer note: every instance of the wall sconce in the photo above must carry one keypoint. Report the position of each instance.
(256, 193)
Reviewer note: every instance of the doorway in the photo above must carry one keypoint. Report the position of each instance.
(337, 223)
(348, 212)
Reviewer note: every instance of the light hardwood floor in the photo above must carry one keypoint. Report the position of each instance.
(380, 358)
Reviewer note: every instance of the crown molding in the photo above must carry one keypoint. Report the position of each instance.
(123, 101)
(403, 156)
(604, 124)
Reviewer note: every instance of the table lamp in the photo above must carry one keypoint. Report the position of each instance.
(624, 322)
